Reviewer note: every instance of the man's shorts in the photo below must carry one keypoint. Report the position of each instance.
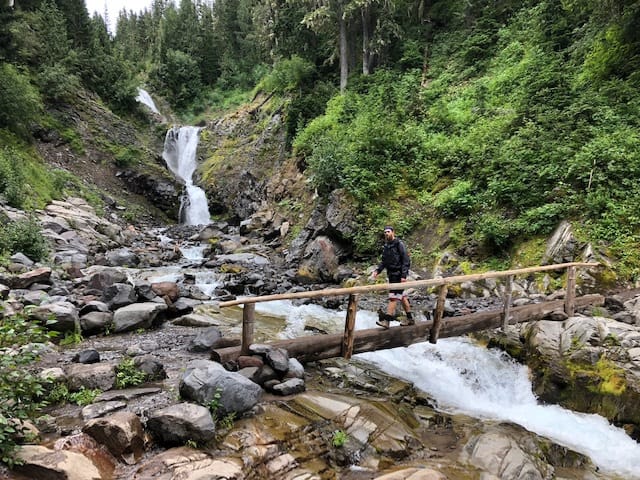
(395, 294)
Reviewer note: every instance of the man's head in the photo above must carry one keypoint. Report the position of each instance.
(389, 234)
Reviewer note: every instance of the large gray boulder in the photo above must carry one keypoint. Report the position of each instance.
(137, 315)
(177, 424)
(204, 381)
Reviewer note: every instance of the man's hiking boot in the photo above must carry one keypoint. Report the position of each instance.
(408, 321)
(384, 318)
(383, 323)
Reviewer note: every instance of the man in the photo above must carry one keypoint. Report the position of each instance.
(397, 262)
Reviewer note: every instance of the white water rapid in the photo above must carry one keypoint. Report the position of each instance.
(487, 384)
(144, 98)
(180, 147)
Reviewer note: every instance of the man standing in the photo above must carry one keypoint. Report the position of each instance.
(397, 262)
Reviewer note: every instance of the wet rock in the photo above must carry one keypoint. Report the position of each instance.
(137, 315)
(119, 295)
(278, 359)
(25, 280)
(41, 462)
(205, 340)
(98, 375)
(500, 454)
(104, 277)
(205, 380)
(96, 322)
(196, 320)
(151, 367)
(121, 433)
(100, 409)
(177, 424)
(86, 356)
(188, 464)
(59, 316)
(289, 387)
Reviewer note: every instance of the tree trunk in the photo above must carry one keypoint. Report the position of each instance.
(366, 48)
(344, 51)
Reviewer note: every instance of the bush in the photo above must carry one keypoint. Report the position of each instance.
(20, 102)
(127, 375)
(11, 177)
(21, 391)
(23, 236)
(458, 199)
(287, 75)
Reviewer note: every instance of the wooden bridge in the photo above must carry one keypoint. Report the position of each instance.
(317, 347)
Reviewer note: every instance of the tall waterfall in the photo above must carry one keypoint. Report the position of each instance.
(180, 147)
(144, 98)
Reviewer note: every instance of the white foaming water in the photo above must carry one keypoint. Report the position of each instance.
(194, 253)
(144, 98)
(463, 377)
(207, 282)
(180, 147)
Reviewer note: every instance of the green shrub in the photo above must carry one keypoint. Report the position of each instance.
(21, 390)
(287, 75)
(23, 236)
(20, 102)
(127, 375)
(456, 200)
(12, 177)
(84, 396)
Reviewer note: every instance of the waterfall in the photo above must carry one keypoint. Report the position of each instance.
(180, 147)
(144, 98)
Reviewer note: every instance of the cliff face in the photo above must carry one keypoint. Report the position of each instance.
(118, 160)
(246, 169)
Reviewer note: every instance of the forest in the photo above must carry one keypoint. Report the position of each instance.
(493, 119)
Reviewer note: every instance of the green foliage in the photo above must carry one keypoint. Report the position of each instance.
(20, 102)
(177, 78)
(21, 390)
(128, 375)
(456, 200)
(339, 438)
(11, 177)
(71, 338)
(127, 156)
(23, 236)
(214, 403)
(287, 76)
(58, 393)
(84, 396)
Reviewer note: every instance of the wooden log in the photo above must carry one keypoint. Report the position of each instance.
(507, 302)
(570, 297)
(329, 292)
(349, 327)
(318, 347)
(248, 320)
(439, 313)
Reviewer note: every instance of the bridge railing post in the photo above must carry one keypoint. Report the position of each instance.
(349, 326)
(570, 296)
(439, 313)
(507, 302)
(248, 321)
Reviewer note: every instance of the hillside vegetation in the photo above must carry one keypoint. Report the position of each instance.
(494, 120)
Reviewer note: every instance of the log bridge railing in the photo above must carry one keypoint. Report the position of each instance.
(326, 346)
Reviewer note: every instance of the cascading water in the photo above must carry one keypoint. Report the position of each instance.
(144, 98)
(180, 147)
(463, 377)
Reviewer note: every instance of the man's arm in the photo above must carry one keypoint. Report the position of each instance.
(404, 259)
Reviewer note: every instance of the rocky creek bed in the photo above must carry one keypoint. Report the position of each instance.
(267, 416)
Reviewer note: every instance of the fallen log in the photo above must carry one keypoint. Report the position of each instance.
(318, 347)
